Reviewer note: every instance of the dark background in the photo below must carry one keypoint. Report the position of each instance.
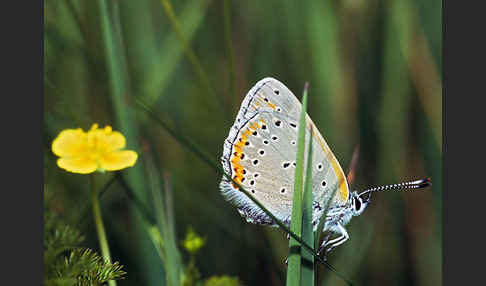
(374, 71)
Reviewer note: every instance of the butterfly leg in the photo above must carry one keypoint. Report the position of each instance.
(323, 244)
(337, 241)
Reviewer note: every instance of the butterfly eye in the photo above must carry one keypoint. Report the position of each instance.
(357, 204)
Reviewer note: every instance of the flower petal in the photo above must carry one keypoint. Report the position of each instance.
(78, 165)
(111, 141)
(118, 160)
(70, 143)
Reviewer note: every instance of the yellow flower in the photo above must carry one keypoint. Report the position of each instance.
(98, 149)
(193, 242)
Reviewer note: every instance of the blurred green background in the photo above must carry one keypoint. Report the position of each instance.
(374, 69)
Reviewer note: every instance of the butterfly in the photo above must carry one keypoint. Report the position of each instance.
(260, 155)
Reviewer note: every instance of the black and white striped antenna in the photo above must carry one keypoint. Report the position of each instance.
(418, 184)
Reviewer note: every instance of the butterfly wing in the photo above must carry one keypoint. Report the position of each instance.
(260, 154)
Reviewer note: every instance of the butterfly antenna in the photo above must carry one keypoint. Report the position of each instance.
(417, 184)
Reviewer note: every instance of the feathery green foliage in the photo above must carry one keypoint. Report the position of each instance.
(85, 267)
(67, 263)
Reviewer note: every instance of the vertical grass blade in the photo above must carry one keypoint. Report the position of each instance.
(168, 245)
(307, 275)
(229, 54)
(120, 94)
(396, 93)
(294, 264)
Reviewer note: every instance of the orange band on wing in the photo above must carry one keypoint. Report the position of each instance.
(237, 155)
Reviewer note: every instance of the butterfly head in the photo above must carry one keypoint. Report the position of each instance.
(359, 203)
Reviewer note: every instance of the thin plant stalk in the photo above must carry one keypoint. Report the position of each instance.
(100, 228)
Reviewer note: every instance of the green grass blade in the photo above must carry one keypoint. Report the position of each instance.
(119, 96)
(394, 118)
(164, 64)
(198, 69)
(229, 53)
(307, 277)
(168, 246)
(294, 266)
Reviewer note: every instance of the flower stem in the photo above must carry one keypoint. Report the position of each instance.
(100, 229)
